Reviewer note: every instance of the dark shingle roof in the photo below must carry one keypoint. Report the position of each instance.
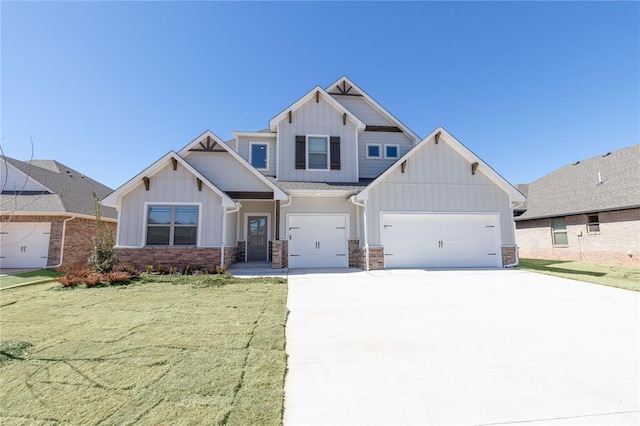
(606, 182)
(71, 191)
(355, 187)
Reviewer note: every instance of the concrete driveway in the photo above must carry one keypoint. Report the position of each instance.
(460, 347)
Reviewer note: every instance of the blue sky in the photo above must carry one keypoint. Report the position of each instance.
(109, 87)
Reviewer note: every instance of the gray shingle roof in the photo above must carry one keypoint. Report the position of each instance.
(575, 188)
(355, 187)
(71, 190)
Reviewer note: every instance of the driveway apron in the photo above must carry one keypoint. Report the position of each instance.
(460, 347)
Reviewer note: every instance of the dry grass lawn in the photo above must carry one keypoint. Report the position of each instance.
(171, 350)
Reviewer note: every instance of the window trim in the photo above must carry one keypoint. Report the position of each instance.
(554, 232)
(328, 152)
(370, 157)
(386, 157)
(596, 223)
(251, 145)
(145, 221)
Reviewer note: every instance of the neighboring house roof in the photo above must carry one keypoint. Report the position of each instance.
(606, 182)
(113, 198)
(65, 190)
(278, 194)
(445, 137)
(273, 123)
(349, 85)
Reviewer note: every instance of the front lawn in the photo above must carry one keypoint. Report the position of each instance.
(626, 277)
(172, 350)
(42, 275)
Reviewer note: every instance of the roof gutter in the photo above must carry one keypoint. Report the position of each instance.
(363, 204)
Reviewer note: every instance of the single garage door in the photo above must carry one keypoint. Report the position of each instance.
(318, 241)
(441, 240)
(24, 245)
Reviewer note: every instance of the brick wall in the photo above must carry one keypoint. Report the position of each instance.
(376, 258)
(508, 255)
(355, 254)
(242, 250)
(619, 235)
(280, 254)
(78, 237)
(178, 257)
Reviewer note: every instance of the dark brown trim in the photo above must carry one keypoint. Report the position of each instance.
(199, 184)
(146, 182)
(250, 195)
(437, 137)
(474, 167)
(403, 166)
(277, 233)
(174, 161)
(394, 129)
(345, 94)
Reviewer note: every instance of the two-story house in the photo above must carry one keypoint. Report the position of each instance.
(334, 181)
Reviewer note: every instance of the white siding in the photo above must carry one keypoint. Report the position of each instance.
(317, 119)
(12, 179)
(371, 168)
(243, 150)
(438, 179)
(231, 226)
(361, 109)
(225, 172)
(321, 205)
(169, 186)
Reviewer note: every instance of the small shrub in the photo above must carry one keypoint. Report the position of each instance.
(117, 277)
(93, 280)
(149, 269)
(172, 270)
(161, 269)
(131, 270)
(186, 270)
(220, 270)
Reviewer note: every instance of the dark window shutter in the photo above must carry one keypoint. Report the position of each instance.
(335, 152)
(301, 154)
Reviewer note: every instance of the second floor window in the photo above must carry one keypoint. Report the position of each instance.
(318, 152)
(259, 155)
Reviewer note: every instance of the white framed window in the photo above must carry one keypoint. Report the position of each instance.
(593, 224)
(172, 224)
(259, 155)
(391, 151)
(374, 151)
(559, 232)
(317, 152)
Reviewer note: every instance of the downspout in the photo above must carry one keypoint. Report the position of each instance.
(64, 233)
(366, 238)
(235, 209)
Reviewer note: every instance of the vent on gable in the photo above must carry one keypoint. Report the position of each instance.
(607, 154)
(576, 163)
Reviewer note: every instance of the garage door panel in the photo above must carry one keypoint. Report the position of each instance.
(441, 240)
(24, 245)
(318, 241)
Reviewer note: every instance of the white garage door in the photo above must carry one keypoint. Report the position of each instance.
(441, 240)
(24, 245)
(318, 241)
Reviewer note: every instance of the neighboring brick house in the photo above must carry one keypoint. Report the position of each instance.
(47, 218)
(589, 211)
(335, 181)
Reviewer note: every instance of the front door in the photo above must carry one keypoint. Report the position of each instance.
(257, 244)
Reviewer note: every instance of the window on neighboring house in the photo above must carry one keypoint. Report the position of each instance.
(317, 152)
(374, 150)
(259, 155)
(559, 231)
(172, 225)
(391, 152)
(593, 224)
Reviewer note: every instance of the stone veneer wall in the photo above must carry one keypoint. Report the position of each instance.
(78, 237)
(242, 250)
(376, 258)
(509, 255)
(279, 254)
(355, 258)
(179, 257)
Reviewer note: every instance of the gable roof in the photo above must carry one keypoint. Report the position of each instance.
(278, 194)
(606, 182)
(446, 137)
(65, 190)
(273, 123)
(348, 85)
(113, 198)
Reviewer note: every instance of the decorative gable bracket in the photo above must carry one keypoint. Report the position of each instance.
(474, 167)
(146, 182)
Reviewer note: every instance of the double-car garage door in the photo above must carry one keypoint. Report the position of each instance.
(24, 245)
(432, 240)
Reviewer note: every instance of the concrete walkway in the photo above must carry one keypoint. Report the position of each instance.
(460, 347)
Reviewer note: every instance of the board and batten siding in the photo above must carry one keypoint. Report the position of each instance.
(170, 186)
(372, 168)
(361, 109)
(244, 144)
(438, 179)
(225, 172)
(320, 205)
(317, 119)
